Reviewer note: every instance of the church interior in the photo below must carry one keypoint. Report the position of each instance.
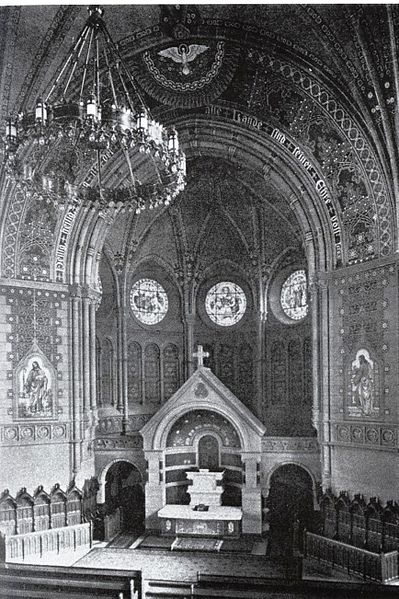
(199, 300)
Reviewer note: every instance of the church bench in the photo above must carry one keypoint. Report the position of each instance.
(64, 582)
(168, 588)
(277, 588)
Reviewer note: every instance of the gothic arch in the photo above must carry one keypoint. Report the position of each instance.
(102, 476)
(300, 465)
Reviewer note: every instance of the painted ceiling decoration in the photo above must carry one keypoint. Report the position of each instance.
(190, 74)
(325, 107)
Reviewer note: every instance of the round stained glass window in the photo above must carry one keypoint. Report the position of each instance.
(225, 304)
(149, 301)
(293, 297)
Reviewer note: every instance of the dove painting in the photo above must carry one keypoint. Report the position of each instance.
(184, 54)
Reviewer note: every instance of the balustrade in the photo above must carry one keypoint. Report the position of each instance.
(18, 547)
(380, 567)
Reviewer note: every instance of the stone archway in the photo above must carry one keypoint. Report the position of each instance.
(290, 505)
(123, 488)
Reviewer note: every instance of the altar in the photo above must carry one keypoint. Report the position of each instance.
(205, 516)
(203, 426)
(218, 521)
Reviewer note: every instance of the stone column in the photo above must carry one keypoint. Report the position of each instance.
(154, 489)
(93, 365)
(189, 322)
(86, 357)
(75, 380)
(324, 386)
(260, 363)
(125, 395)
(315, 316)
(121, 361)
(251, 496)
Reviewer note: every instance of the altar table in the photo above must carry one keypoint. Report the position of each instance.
(217, 521)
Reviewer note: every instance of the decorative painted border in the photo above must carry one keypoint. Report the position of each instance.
(110, 443)
(34, 433)
(368, 435)
(113, 424)
(290, 444)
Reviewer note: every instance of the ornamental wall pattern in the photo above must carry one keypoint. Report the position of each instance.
(36, 329)
(363, 325)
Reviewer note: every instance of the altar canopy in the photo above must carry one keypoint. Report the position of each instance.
(203, 426)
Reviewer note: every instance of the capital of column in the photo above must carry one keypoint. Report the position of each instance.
(88, 293)
(75, 291)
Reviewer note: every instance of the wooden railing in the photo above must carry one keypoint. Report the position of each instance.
(38, 543)
(380, 567)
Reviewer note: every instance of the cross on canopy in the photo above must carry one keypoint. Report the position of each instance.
(200, 354)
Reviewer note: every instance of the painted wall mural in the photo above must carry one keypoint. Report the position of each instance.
(35, 387)
(363, 386)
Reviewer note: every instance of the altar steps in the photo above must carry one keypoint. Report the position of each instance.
(248, 544)
(196, 544)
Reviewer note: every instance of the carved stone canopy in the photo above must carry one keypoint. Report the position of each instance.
(218, 399)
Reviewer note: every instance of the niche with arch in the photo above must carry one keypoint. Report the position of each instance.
(124, 490)
(203, 439)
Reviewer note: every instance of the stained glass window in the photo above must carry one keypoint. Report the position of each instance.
(293, 297)
(225, 303)
(149, 301)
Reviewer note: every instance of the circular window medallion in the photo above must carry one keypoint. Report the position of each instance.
(149, 301)
(293, 296)
(225, 304)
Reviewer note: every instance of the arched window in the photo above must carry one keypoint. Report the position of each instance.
(107, 380)
(152, 373)
(293, 295)
(170, 364)
(134, 372)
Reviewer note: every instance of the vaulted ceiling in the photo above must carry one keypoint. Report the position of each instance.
(327, 75)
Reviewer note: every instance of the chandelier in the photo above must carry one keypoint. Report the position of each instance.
(91, 138)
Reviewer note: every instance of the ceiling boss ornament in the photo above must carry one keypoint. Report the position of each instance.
(91, 139)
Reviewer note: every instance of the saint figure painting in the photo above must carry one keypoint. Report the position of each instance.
(364, 395)
(35, 389)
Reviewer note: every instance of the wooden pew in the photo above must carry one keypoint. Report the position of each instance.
(20, 580)
(230, 587)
